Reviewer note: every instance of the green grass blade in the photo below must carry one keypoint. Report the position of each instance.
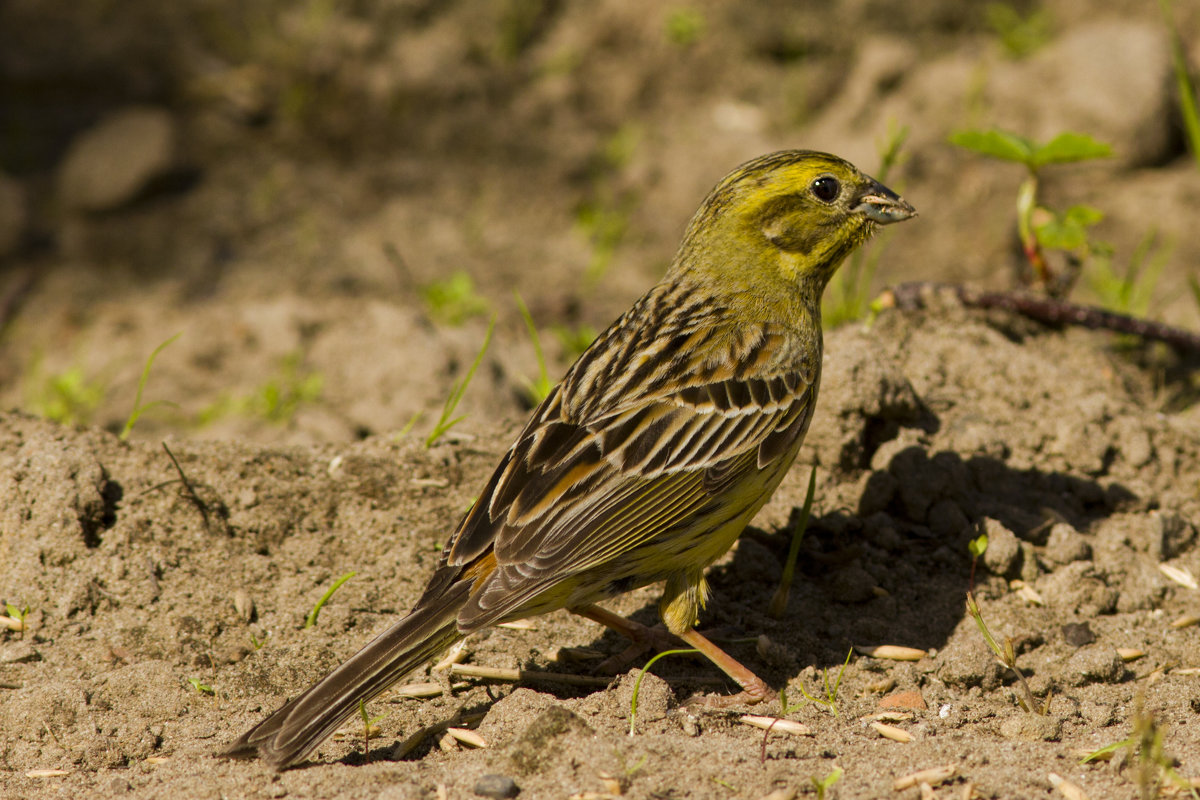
(138, 408)
(312, 615)
(637, 685)
(448, 420)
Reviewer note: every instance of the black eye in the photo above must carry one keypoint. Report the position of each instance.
(826, 189)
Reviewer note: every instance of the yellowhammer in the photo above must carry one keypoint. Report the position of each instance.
(660, 444)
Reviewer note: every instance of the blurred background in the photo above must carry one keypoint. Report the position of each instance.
(311, 210)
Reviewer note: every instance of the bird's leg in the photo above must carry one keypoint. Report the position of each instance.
(754, 688)
(643, 637)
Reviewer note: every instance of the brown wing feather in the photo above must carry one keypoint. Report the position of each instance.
(588, 480)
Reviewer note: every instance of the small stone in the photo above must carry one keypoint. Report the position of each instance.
(243, 604)
(498, 786)
(689, 723)
(1098, 715)
(877, 493)
(1078, 634)
(852, 584)
(1065, 545)
(881, 532)
(1167, 535)
(1032, 728)
(946, 519)
(903, 699)
(1003, 553)
(1079, 587)
(1094, 663)
(109, 164)
(964, 666)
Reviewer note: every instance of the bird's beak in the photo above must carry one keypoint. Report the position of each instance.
(880, 204)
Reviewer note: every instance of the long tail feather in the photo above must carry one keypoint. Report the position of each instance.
(295, 730)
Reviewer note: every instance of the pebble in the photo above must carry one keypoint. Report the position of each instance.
(1167, 535)
(498, 786)
(1032, 727)
(1065, 545)
(852, 584)
(964, 666)
(1003, 553)
(108, 165)
(1078, 634)
(946, 519)
(1093, 663)
(903, 699)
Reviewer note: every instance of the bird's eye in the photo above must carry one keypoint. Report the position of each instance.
(826, 189)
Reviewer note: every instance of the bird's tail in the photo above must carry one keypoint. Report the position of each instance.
(295, 730)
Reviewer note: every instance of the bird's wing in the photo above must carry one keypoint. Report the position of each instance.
(579, 489)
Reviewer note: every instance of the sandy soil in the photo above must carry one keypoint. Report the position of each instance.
(327, 164)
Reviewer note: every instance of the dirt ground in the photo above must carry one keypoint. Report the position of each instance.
(293, 189)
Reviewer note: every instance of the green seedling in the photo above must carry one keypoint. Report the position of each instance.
(259, 644)
(778, 605)
(277, 400)
(281, 397)
(848, 296)
(1039, 227)
(976, 547)
(454, 300)
(1132, 292)
(831, 691)
(1019, 35)
(311, 619)
(637, 685)
(685, 26)
(823, 785)
(19, 615)
(369, 727)
(785, 708)
(1183, 81)
(1145, 744)
(202, 688)
(138, 408)
(68, 398)
(1007, 657)
(539, 388)
(447, 420)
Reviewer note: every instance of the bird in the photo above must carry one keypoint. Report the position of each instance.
(649, 458)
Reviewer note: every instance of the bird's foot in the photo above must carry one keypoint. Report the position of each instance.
(754, 693)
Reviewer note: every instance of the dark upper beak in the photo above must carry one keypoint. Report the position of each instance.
(880, 204)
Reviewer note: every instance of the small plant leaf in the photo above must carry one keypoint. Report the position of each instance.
(1068, 231)
(996, 144)
(978, 546)
(1070, 146)
(316, 611)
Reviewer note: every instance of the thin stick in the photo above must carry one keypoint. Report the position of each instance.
(913, 296)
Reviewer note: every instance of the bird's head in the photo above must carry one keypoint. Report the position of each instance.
(787, 219)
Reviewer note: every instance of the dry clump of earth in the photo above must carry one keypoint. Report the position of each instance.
(298, 189)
